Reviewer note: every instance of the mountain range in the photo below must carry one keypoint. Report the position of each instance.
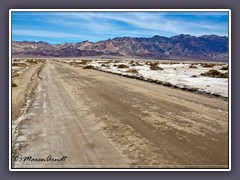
(212, 47)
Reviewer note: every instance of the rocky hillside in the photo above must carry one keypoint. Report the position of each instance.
(203, 47)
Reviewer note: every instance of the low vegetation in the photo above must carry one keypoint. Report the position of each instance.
(32, 61)
(15, 75)
(109, 61)
(224, 68)
(207, 65)
(138, 64)
(193, 66)
(123, 66)
(215, 73)
(133, 70)
(17, 60)
(73, 63)
(88, 67)
(84, 62)
(14, 84)
(154, 66)
(19, 64)
(116, 61)
(105, 65)
(171, 63)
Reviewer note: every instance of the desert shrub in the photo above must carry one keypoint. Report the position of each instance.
(116, 61)
(15, 75)
(122, 66)
(105, 65)
(32, 61)
(43, 60)
(207, 65)
(138, 64)
(14, 84)
(154, 66)
(133, 70)
(107, 62)
(171, 63)
(215, 73)
(110, 61)
(194, 76)
(224, 68)
(84, 62)
(193, 66)
(18, 64)
(88, 67)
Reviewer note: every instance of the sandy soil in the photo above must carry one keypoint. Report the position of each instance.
(26, 82)
(97, 119)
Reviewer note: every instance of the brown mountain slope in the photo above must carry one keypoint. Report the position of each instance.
(204, 47)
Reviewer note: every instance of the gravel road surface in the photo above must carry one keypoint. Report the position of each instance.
(83, 118)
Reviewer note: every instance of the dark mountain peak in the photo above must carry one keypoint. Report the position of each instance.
(213, 36)
(122, 38)
(159, 37)
(87, 41)
(84, 42)
(183, 36)
(42, 42)
(32, 42)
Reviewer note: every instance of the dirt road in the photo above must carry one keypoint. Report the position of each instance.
(85, 118)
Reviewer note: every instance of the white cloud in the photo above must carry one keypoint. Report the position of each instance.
(101, 22)
(42, 33)
(95, 26)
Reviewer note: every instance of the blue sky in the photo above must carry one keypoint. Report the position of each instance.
(60, 27)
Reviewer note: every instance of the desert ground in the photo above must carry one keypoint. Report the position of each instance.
(104, 114)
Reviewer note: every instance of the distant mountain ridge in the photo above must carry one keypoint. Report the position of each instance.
(204, 47)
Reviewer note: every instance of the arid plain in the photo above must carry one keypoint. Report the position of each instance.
(111, 114)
